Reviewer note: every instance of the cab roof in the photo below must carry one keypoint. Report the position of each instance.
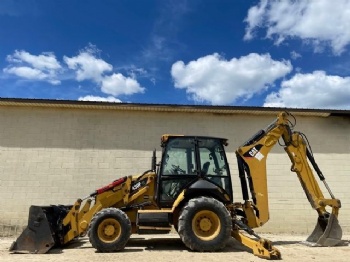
(165, 138)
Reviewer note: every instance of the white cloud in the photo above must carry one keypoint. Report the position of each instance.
(314, 90)
(87, 66)
(26, 72)
(294, 55)
(45, 61)
(100, 99)
(219, 81)
(117, 84)
(255, 19)
(43, 67)
(320, 22)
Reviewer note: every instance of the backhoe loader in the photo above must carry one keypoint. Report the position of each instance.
(189, 190)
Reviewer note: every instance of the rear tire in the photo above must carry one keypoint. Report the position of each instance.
(109, 230)
(205, 225)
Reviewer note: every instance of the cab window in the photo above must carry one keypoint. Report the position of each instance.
(213, 162)
(178, 168)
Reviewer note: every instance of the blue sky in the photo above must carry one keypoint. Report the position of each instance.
(212, 52)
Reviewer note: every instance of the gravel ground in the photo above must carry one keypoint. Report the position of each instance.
(157, 248)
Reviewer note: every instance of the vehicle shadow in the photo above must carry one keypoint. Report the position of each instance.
(157, 244)
(171, 243)
(78, 243)
(175, 244)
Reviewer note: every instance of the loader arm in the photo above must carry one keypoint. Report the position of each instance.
(79, 217)
(57, 225)
(118, 194)
(251, 158)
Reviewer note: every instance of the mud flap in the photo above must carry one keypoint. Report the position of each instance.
(326, 233)
(43, 230)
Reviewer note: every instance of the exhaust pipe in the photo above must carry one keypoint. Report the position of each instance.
(44, 230)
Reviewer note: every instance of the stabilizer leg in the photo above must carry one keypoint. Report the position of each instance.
(262, 247)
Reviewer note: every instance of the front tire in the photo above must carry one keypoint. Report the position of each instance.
(205, 225)
(109, 230)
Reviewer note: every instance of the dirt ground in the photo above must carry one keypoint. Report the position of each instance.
(158, 248)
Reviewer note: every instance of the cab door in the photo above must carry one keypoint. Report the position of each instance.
(214, 166)
(178, 169)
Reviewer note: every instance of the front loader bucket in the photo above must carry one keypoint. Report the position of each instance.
(327, 233)
(43, 230)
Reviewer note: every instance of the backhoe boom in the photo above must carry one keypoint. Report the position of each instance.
(251, 157)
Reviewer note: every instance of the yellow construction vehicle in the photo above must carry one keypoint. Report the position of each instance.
(189, 190)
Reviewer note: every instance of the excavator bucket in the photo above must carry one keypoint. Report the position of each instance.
(327, 233)
(43, 230)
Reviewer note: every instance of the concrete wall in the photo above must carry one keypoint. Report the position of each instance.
(54, 156)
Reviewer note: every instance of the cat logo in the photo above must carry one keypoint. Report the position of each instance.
(254, 152)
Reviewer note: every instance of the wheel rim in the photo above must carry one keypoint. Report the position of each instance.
(109, 230)
(206, 225)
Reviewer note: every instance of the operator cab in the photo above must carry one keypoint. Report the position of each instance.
(195, 164)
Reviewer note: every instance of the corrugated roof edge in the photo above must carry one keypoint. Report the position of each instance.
(74, 104)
